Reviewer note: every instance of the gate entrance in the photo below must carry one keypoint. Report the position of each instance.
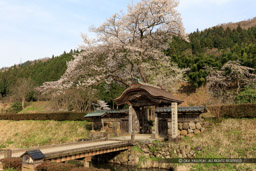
(140, 97)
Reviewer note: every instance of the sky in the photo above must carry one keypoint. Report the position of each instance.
(34, 29)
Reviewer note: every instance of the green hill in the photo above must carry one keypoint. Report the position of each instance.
(213, 47)
(38, 71)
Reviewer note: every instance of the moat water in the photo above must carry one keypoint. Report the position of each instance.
(116, 167)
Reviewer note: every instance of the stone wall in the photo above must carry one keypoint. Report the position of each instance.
(151, 155)
(112, 126)
(188, 129)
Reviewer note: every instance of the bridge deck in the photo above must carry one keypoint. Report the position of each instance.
(67, 148)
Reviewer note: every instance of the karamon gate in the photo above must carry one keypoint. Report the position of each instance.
(140, 97)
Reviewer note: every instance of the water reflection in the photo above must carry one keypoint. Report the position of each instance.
(116, 167)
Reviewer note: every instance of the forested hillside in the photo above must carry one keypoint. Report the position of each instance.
(213, 47)
(38, 71)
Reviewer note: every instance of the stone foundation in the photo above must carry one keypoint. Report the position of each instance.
(188, 129)
(150, 155)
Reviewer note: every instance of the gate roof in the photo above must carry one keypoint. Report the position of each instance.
(146, 95)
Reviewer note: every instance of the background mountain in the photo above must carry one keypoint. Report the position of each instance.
(244, 24)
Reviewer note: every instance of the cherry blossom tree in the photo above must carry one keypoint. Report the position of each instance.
(227, 82)
(127, 46)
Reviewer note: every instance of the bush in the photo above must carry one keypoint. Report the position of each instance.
(14, 162)
(51, 166)
(247, 96)
(233, 111)
(15, 108)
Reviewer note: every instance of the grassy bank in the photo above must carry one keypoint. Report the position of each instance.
(38, 107)
(24, 134)
(227, 138)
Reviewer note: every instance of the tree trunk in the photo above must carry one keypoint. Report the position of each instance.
(144, 78)
(238, 87)
(23, 102)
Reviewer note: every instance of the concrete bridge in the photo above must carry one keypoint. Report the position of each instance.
(82, 150)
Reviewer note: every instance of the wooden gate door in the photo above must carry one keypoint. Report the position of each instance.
(163, 127)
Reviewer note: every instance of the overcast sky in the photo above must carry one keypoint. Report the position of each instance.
(33, 29)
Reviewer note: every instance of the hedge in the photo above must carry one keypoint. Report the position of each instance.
(65, 116)
(14, 163)
(233, 111)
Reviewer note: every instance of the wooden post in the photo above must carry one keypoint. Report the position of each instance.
(174, 120)
(130, 119)
(93, 125)
(156, 125)
(7, 153)
(87, 161)
(102, 124)
(133, 137)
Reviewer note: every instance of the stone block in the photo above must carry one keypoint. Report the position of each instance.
(110, 124)
(197, 131)
(180, 126)
(170, 131)
(185, 126)
(192, 125)
(190, 135)
(182, 168)
(183, 132)
(187, 148)
(198, 125)
(116, 124)
(190, 131)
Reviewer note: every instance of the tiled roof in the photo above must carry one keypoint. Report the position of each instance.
(35, 154)
(182, 109)
(101, 113)
(95, 114)
(154, 91)
(191, 109)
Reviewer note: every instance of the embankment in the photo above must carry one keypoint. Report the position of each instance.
(24, 134)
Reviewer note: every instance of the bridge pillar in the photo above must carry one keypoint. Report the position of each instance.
(87, 161)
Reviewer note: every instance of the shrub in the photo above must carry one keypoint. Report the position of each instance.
(14, 162)
(247, 96)
(233, 111)
(51, 166)
(15, 108)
